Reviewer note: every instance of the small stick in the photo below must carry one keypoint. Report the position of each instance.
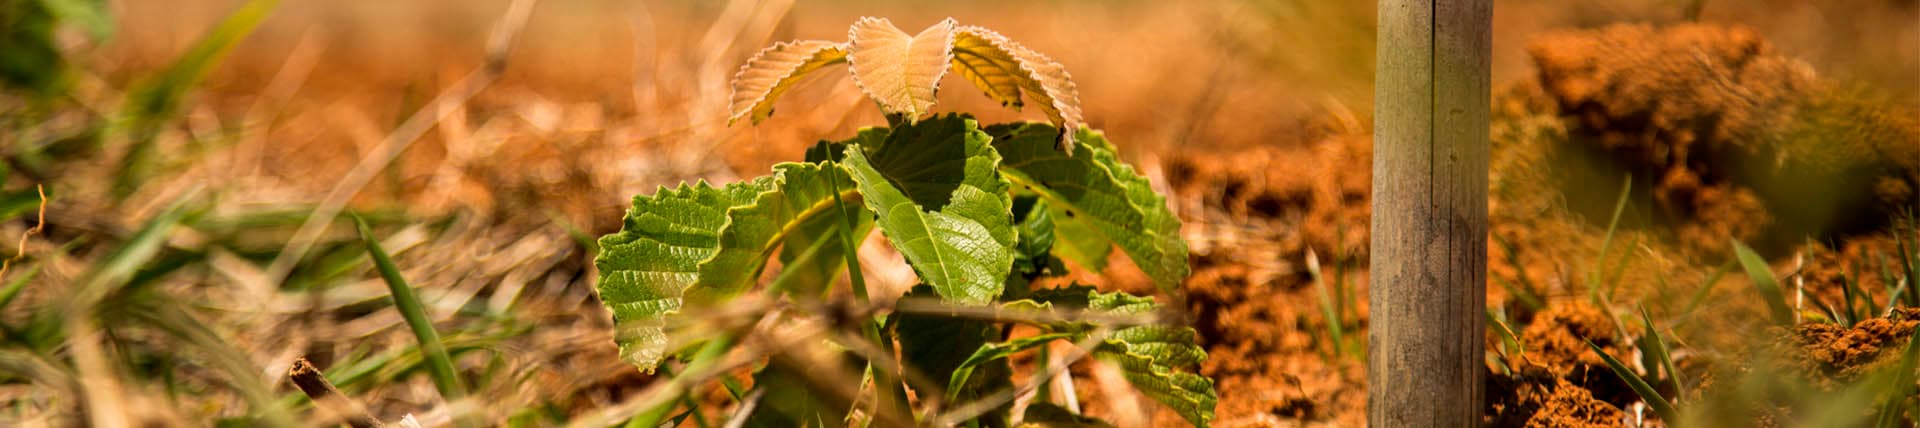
(314, 383)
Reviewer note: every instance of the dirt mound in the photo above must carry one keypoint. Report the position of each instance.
(1547, 403)
(1739, 140)
(1832, 354)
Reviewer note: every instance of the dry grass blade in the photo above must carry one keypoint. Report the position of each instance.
(1041, 77)
(900, 71)
(772, 71)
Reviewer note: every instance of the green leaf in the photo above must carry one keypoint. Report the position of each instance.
(1152, 359)
(1033, 222)
(705, 244)
(929, 343)
(1158, 360)
(1764, 282)
(936, 195)
(801, 198)
(868, 138)
(656, 255)
(995, 352)
(1097, 199)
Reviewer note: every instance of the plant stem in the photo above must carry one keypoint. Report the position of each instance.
(439, 364)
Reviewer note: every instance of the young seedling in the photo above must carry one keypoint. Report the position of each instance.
(984, 216)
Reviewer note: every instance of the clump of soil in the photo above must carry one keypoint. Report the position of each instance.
(1833, 355)
(1548, 403)
(1556, 339)
(1559, 381)
(1738, 140)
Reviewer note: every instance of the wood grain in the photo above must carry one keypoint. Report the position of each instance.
(1425, 365)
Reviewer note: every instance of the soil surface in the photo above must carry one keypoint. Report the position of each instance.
(1692, 109)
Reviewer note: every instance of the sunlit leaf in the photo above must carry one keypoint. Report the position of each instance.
(774, 70)
(898, 70)
(937, 195)
(1004, 69)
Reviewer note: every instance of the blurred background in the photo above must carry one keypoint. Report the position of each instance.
(166, 159)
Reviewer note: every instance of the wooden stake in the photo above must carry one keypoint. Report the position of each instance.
(1425, 364)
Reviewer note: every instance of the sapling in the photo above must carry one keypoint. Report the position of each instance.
(987, 216)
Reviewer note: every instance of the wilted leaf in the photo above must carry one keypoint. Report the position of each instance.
(1003, 69)
(938, 197)
(774, 70)
(1097, 199)
(899, 71)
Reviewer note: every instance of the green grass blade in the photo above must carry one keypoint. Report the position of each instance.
(1764, 282)
(1908, 263)
(439, 365)
(1506, 333)
(1661, 352)
(1335, 329)
(1660, 404)
(1606, 243)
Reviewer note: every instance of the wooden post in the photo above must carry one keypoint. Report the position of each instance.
(1425, 365)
